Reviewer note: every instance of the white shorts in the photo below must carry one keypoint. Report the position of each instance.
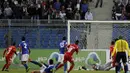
(25, 57)
(43, 69)
(61, 58)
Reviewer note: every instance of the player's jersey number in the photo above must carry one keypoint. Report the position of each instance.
(25, 46)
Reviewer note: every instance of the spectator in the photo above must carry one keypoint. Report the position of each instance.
(101, 1)
(44, 4)
(69, 12)
(18, 11)
(57, 15)
(78, 6)
(62, 13)
(127, 8)
(51, 12)
(118, 9)
(38, 11)
(25, 12)
(88, 15)
(84, 8)
(57, 5)
(77, 15)
(32, 11)
(0, 12)
(8, 12)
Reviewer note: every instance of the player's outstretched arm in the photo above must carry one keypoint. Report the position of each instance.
(4, 53)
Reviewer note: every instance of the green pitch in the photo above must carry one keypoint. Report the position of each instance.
(39, 54)
(60, 71)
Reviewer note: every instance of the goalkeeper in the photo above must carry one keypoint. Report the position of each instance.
(105, 67)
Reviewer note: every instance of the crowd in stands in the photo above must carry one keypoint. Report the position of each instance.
(44, 9)
(121, 10)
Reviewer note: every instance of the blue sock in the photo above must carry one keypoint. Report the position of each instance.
(117, 68)
(57, 64)
(120, 66)
(65, 67)
(126, 68)
(25, 65)
(36, 63)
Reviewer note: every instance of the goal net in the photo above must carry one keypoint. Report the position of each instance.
(97, 34)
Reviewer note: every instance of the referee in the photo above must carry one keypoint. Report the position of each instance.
(121, 46)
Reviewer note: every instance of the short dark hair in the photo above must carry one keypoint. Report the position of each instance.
(50, 61)
(120, 37)
(77, 42)
(64, 38)
(14, 44)
(112, 42)
(23, 38)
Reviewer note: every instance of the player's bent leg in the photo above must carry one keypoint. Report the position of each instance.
(117, 68)
(25, 65)
(7, 64)
(65, 67)
(125, 68)
(71, 67)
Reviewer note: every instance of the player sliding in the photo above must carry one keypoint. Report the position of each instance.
(46, 68)
(8, 54)
(24, 49)
(68, 55)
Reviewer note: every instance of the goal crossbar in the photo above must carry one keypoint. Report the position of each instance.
(85, 21)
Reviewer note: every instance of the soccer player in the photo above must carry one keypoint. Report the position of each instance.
(46, 68)
(25, 50)
(111, 50)
(63, 46)
(68, 55)
(8, 54)
(104, 67)
(121, 46)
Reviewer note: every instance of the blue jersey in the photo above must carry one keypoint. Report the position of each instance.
(24, 47)
(63, 45)
(49, 69)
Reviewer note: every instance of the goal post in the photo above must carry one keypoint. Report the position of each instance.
(96, 34)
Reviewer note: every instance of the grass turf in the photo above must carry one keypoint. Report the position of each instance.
(60, 71)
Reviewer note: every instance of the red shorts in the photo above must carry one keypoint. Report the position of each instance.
(68, 57)
(8, 59)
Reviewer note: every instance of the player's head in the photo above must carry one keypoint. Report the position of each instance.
(94, 66)
(77, 42)
(120, 37)
(14, 44)
(64, 38)
(51, 62)
(23, 38)
(116, 39)
(112, 42)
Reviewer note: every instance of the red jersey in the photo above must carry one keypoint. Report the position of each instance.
(71, 49)
(111, 49)
(10, 51)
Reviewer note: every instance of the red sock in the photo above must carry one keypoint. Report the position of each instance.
(59, 66)
(7, 66)
(4, 67)
(71, 67)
